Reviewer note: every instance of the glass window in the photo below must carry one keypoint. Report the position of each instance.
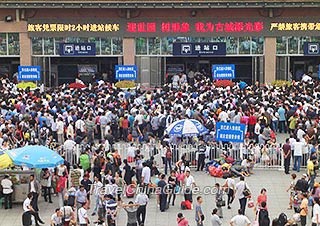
(232, 45)
(302, 41)
(293, 45)
(257, 45)
(48, 46)
(105, 46)
(205, 39)
(3, 44)
(315, 39)
(13, 44)
(97, 42)
(37, 46)
(218, 39)
(117, 46)
(244, 45)
(282, 45)
(154, 46)
(57, 44)
(141, 46)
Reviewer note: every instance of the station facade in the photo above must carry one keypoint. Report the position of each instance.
(265, 42)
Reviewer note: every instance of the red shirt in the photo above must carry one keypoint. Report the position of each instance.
(125, 123)
(252, 120)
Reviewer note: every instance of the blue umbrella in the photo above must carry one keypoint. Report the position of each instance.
(186, 127)
(35, 156)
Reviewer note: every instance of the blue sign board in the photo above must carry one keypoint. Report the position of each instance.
(223, 71)
(29, 73)
(311, 48)
(77, 49)
(126, 72)
(199, 49)
(230, 132)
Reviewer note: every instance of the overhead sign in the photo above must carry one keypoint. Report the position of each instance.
(126, 72)
(311, 48)
(230, 132)
(29, 73)
(223, 71)
(175, 27)
(199, 49)
(77, 49)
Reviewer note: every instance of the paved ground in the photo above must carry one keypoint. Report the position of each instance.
(274, 181)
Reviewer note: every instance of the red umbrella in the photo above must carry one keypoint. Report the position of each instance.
(77, 86)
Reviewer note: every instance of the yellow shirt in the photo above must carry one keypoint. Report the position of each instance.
(304, 207)
(310, 168)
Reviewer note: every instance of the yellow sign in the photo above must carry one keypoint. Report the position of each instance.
(295, 26)
(59, 27)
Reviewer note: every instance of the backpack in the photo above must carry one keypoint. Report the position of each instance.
(114, 121)
(264, 219)
(282, 219)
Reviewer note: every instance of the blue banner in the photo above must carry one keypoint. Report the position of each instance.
(223, 71)
(29, 73)
(126, 72)
(199, 49)
(230, 132)
(77, 49)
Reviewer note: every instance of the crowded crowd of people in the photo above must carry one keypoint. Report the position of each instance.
(84, 124)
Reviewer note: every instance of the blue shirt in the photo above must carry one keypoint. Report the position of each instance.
(282, 114)
(198, 209)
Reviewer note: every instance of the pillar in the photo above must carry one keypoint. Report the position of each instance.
(270, 51)
(25, 49)
(129, 51)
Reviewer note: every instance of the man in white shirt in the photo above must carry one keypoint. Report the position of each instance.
(145, 177)
(189, 184)
(300, 133)
(80, 126)
(83, 215)
(298, 147)
(7, 191)
(141, 199)
(60, 130)
(257, 129)
(56, 218)
(223, 116)
(240, 220)
(240, 187)
(28, 210)
(69, 148)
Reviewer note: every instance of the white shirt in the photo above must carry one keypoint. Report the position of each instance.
(146, 173)
(257, 128)
(240, 220)
(26, 204)
(298, 148)
(316, 211)
(131, 151)
(32, 188)
(80, 125)
(223, 116)
(300, 134)
(231, 183)
(83, 215)
(55, 219)
(142, 199)
(60, 127)
(6, 184)
(69, 144)
(189, 181)
(240, 186)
